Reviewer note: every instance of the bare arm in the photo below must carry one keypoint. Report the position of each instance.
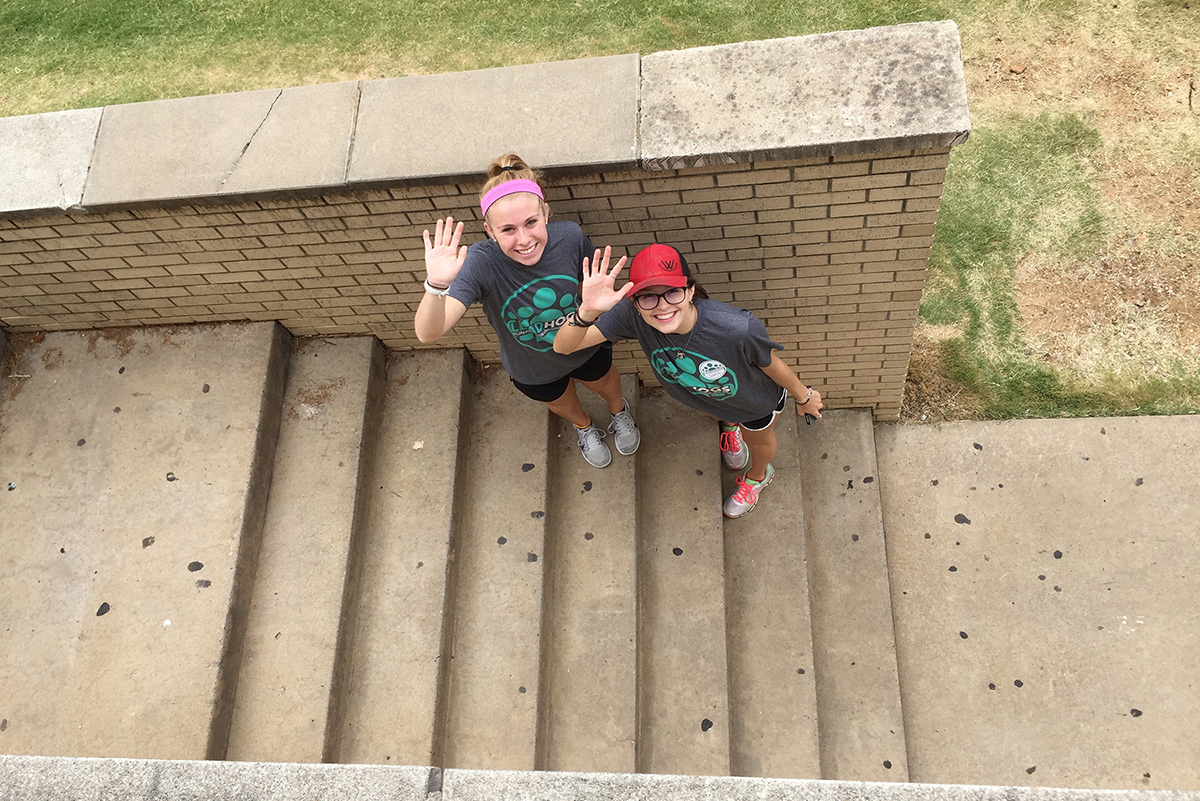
(781, 374)
(444, 258)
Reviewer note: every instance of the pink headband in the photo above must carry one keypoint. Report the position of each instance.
(507, 188)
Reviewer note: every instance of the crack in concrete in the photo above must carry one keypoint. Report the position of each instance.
(353, 135)
(238, 161)
(87, 174)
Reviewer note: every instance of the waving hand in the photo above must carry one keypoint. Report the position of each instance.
(599, 284)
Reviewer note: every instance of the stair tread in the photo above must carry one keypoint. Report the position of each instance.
(773, 707)
(291, 648)
(683, 682)
(390, 714)
(858, 689)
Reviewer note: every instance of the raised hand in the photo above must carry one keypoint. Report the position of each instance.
(443, 256)
(599, 290)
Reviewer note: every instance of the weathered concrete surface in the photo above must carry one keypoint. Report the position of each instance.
(44, 159)
(772, 684)
(899, 87)
(132, 469)
(1077, 576)
(683, 680)
(173, 149)
(292, 660)
(472, 785)
(589, 637)
(395, 692)
(492, 705)
(556, 114)
(858, 691)
(31, 778)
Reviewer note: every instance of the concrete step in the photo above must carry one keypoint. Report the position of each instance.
(492, 705)
(854, 643)
(589, 637)
(291, 660)
(772, 683)
(400, 621)
(135, 464)
(683, 686)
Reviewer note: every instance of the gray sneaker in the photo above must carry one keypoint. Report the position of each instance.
(625, 432)
(591, 445)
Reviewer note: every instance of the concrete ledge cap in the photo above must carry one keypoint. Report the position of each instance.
(30, 778)
(44, 159)
(478, 785)
(560, 114)
(894, 88)
(222, 145)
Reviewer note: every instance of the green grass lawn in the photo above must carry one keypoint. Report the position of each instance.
(1026, 185)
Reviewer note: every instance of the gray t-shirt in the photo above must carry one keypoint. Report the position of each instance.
(715, 368)
(527, 305)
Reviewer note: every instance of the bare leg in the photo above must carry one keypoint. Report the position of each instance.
(609, 388)
(762, 445)
(569, 408)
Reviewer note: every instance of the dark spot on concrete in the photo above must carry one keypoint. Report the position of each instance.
(1018, 683)
(538, 515)
(926, 535)
(846, 468)
(532, 557)
(103, 610)
(81, 443)
(850, 484)
(501, 540)
(824, 456)
(587, 486)
(1057, 588)
(62, 550)
(1137, 713)
(171, 477)
(1139, 482)
(699, 472)
(1144, 775)
(677, 551)
(203, 584)
(933, 483)
(4, 727)
(116, 409)
(11, 486)
(961, 519)
(420, 565)
(953, 569)
(204, 388)
(706, 724)
(1087, 458)
(959, 543)
(977, 446)
(1031, 770)
(587, 535)
(887, 763)
(1041, 578)
(991, 685)
(147, 542)
(1102, 431)
(525, 468)
(854, 538)
(962, 634)
(869, 480)
(800, 671)
(521, 690)
(1058, 554)
(1001, 486)
(194, 566)
(121, 371)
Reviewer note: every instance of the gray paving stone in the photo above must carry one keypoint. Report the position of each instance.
(34, 778)
(44, 159)
(303, 143)
(897, 87)
(558, 114)
(173, 149)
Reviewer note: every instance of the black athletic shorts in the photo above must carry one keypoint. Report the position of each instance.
(593, 369)
(765, 422)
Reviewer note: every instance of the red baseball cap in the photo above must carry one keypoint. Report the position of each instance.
(658, 265)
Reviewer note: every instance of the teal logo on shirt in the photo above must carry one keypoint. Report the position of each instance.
(697, 374)
(535, 312)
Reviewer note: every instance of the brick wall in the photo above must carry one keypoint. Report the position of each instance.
(829, 252)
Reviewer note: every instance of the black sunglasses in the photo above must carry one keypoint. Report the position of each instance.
(649, 300)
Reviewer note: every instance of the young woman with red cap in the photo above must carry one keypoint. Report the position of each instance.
(711, 356)
(527, 276)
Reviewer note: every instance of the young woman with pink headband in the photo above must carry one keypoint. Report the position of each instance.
(527, 275)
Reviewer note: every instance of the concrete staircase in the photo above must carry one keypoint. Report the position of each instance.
(224, 543)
